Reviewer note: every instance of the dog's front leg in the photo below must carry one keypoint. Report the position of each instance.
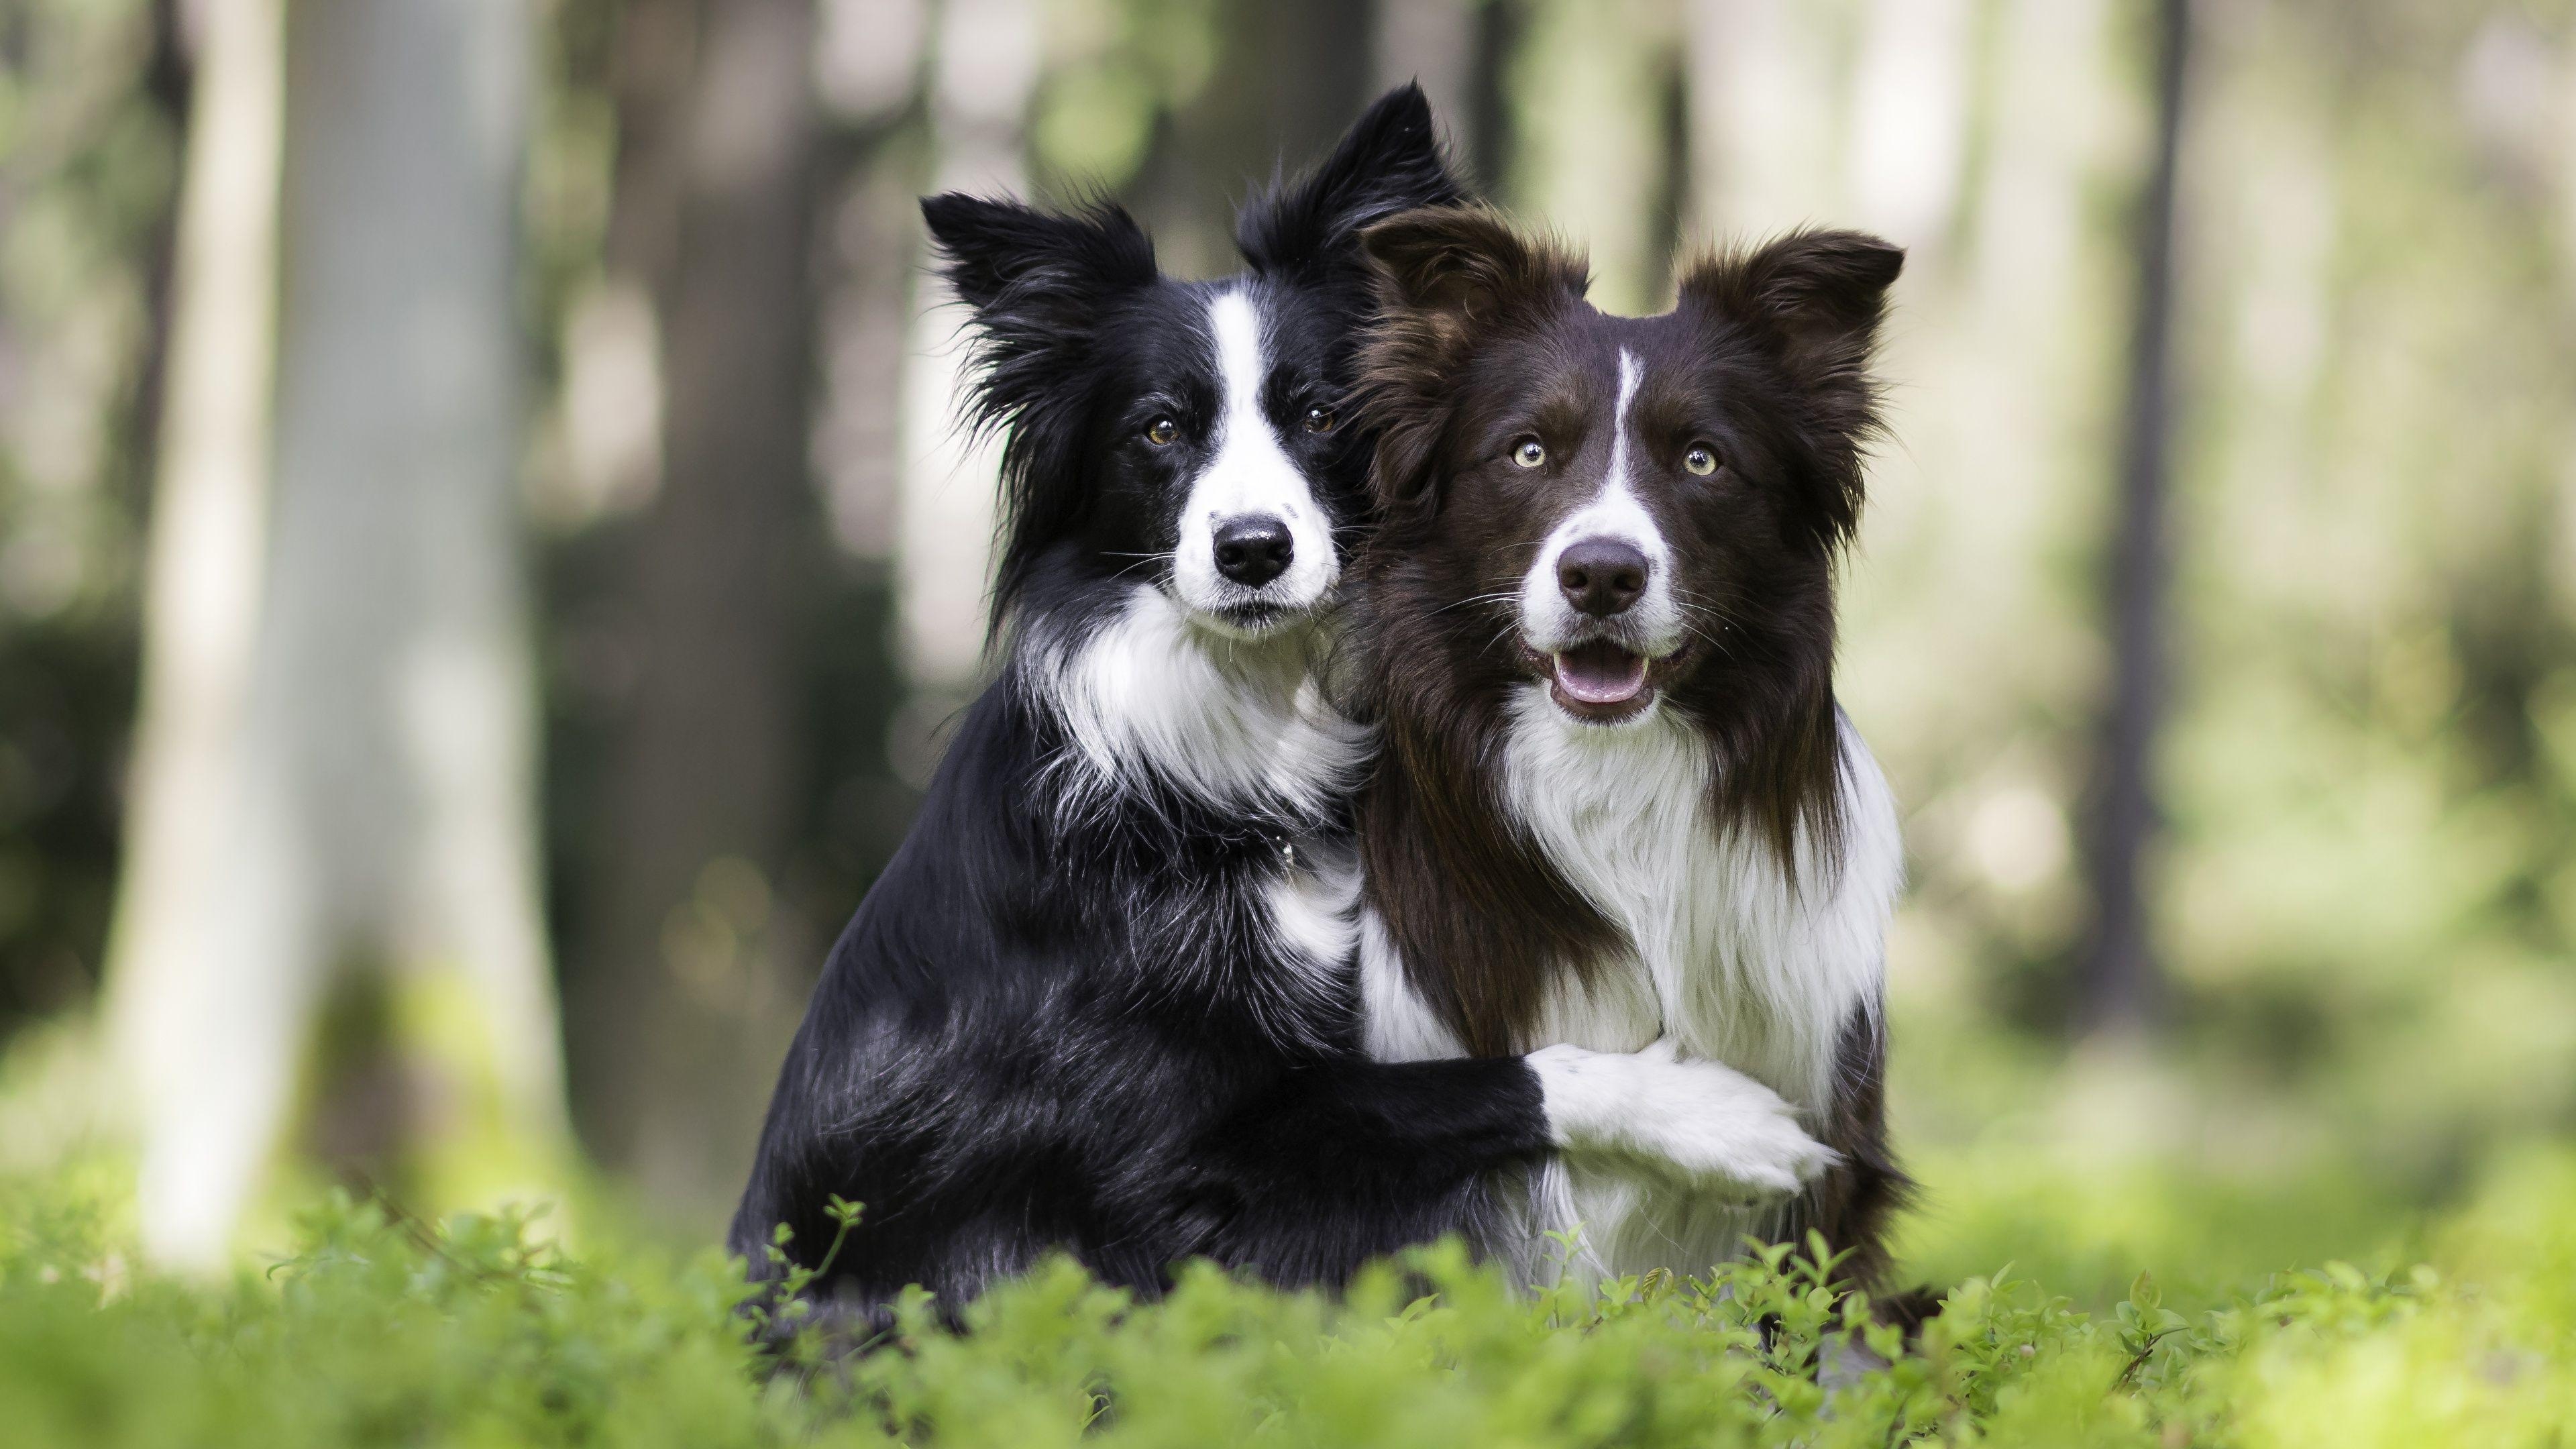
(1724, 1132)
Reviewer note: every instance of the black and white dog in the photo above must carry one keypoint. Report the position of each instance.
(1103, 1000)
(1618, 803)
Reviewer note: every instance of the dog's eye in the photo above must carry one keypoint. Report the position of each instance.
(1528, 453)
(1701, 459)
(1162, 432)
(1320, 420)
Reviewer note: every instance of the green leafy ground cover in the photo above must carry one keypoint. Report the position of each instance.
(383, 1331)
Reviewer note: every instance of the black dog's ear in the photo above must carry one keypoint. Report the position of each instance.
(1037, 281)
(990, 250)
(1819, 297)
(1389, 161)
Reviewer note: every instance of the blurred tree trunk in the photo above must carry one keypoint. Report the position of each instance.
(335, 766)
(1909, 122)
(167, 80)
(2120, 989)
(985, 66)
(1598, 154)
(200, 614)
(869, 244)
(689, 981)
(871, 55)
(1778, 139)
(1434, 43)
(1286, 81)
(1762, 120)
(1313, 64)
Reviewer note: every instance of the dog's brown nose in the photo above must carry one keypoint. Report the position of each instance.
(1601, 576)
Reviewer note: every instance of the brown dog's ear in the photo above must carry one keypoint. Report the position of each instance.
(1821, 291)
(1818, 296)
(1465, 260)
(1444, 276)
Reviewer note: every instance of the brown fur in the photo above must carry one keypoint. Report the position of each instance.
(1853, 1205)
(1483, 921)
(1486, 336)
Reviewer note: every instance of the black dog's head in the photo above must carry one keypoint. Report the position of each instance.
(1192, 434)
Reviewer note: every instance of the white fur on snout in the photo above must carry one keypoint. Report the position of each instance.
(1248, 474)
(1653, 625)
(1708, 1123)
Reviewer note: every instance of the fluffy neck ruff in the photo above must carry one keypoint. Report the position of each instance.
(1154, 705)
(1463, 827)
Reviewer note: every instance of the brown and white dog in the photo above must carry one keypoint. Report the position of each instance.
(1617, 805)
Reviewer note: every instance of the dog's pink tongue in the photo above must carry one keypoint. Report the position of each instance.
(1599, 673)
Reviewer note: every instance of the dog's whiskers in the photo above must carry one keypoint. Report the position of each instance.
(1496, 597)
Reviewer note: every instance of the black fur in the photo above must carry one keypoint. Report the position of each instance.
(1060, 1020)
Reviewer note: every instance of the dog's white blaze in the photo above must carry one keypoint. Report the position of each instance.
(1149, 696)
(1654, 623)
(1248, 473)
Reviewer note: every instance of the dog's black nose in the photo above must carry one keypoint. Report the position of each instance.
(1253, 550)
(1601, 576)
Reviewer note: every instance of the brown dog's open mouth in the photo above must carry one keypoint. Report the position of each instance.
(1598, 677)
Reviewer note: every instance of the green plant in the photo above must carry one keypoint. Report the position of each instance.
(384, 1330)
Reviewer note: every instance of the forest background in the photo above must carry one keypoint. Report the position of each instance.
(485, 563)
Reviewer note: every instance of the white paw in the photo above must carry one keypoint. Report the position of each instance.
(1704, 1121)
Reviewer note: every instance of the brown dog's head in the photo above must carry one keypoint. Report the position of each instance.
(1632, 510)
(1591, 526)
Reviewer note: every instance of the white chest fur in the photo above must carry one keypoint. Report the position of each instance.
(1151, 696)
(1724, 953)
(1149, 699)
